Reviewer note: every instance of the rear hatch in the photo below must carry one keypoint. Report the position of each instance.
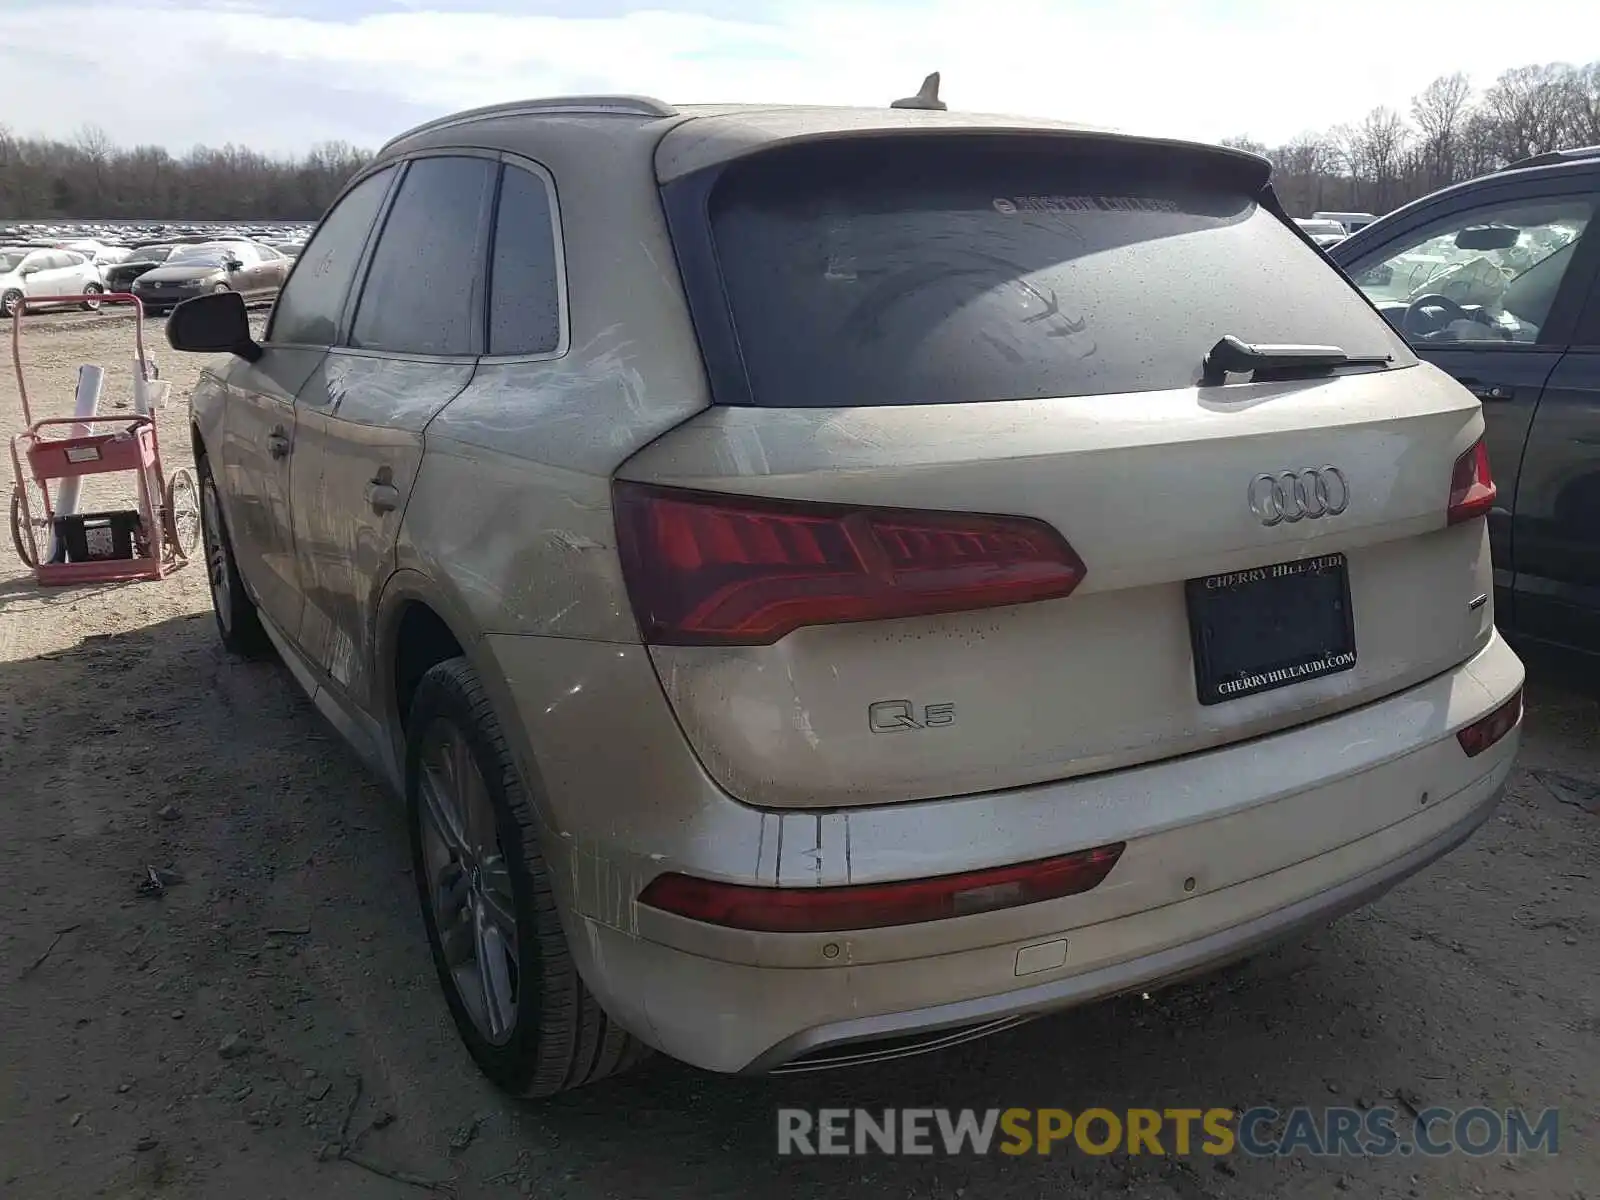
(966, 515)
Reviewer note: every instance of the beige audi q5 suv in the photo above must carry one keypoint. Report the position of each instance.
(829, 583)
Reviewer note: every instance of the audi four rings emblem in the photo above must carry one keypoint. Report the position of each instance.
(1297, 495)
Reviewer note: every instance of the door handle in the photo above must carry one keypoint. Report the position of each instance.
(278, 443)
(383, 497)
(1487, 391)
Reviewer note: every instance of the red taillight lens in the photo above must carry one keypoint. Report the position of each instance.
(713, 569)
(1486, 731)
(873, 906)
(1472, 489)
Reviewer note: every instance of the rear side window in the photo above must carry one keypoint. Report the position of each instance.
(524, 287)
(308, 309)
(954, 272)
(424, 291)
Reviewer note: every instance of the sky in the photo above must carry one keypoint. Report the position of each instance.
(280, 75)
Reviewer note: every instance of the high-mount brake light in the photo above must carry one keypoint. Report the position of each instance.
(714, 569)
(1472, 489)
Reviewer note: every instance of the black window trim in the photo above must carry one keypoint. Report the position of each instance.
(366, 248)
(1567, 307)
(563, 322)
(480, 299)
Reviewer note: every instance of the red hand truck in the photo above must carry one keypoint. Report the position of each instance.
(149, 541)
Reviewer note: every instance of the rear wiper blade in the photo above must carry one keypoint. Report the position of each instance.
(1232, 355)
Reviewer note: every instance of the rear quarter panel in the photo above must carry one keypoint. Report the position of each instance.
(511, 512)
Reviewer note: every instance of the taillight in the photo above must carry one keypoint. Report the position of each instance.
(1472, 489)
(1486, 731)
(873, 906)
(713, 569)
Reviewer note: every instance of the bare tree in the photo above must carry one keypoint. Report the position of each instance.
(1247, 144)
(1584, 115)
(1530, 106)
(1385, 160)
(90, 176)
(1383, 138)
(1440, 110)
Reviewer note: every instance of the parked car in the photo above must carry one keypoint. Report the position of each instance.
(1495, 281)
(120, 276)
(27, 271)
(817, 603)
(1323, 233)
(1351, 222)
(254, 271)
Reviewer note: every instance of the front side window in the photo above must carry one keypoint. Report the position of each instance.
(308, 309)
(1481, 277)
(956, 271)
(423, 293)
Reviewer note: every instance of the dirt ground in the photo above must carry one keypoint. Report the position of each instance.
(214, 1041)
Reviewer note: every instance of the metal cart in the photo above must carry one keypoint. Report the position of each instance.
(149, 541)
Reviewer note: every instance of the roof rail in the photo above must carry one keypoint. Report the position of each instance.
(627, 106)
(1575, 154)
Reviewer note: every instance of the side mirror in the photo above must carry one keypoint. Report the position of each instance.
(1488, 237)
(24, 272)
(213, 324)
(233, 264)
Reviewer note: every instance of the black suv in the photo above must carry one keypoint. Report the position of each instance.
(1497, 281)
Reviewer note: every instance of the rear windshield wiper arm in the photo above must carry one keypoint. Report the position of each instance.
(1232, 355)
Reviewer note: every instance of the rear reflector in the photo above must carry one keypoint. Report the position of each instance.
(1486, 731)
(1472, 489)
(875, 905)
(713, 569)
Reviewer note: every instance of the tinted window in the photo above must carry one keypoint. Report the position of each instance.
(423, 294)
(524, 296)
(948, 272)
(309, 306)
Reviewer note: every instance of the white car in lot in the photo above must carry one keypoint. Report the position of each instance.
(35, 273)
(1323, 233)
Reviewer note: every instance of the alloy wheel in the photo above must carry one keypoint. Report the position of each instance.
(468, 882)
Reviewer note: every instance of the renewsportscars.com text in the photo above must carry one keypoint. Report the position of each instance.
(1259, 1132)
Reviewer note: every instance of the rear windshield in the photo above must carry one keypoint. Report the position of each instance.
(860, 273)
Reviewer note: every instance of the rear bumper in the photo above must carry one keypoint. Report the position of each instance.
(1225, 851)
(990, 1013)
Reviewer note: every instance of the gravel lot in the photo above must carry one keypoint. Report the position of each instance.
(209, 1043)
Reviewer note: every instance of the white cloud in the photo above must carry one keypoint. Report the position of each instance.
(1154, 66)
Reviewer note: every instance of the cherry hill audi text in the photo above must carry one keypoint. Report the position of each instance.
(832, 582)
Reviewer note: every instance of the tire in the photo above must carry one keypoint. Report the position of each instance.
(92, 289)
(180, 514)
(220, 288)
(238, 624)
(10, 301)
(553, 1035)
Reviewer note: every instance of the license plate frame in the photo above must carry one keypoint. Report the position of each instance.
(1227, 610)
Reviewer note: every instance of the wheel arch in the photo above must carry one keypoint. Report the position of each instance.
(417, 625)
